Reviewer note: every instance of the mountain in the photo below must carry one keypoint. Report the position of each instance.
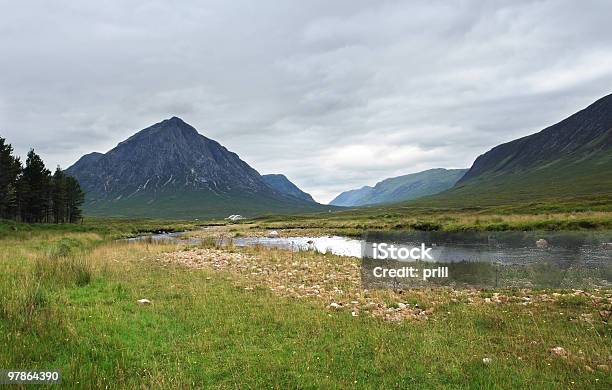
(170, 170)
(354, 197)
(401, 188)
(281, 184)
(572, 158)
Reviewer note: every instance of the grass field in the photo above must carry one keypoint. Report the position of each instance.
(578, 213)
(355, 222)
(68, 301)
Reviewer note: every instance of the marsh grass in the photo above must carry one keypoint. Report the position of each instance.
(355, 222)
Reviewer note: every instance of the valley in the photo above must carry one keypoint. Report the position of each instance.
(306, 195)
(222, 316)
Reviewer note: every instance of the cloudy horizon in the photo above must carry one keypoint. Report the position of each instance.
(335, 95)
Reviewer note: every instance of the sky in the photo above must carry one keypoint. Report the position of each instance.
(333, 94)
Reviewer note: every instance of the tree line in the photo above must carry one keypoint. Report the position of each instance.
(32, 194)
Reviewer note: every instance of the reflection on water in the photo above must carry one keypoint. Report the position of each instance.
(541, 258)
(476, 259)
(590, 248)
(341, 246)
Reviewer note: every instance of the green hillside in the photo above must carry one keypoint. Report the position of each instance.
(559, 180)
(572, 158)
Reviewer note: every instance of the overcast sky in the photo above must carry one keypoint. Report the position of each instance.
(334, 94)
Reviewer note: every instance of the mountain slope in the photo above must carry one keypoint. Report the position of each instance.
(569, 159)
(283, 185)
(401, 188)
(170, 170)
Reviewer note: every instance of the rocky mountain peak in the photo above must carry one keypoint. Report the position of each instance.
(171, 164)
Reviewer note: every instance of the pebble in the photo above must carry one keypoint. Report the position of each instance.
(559, 351)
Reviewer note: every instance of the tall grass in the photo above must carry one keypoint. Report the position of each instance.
(28, 287)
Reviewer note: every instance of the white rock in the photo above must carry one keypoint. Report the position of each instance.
(560, 351)
(143, 302)
(542, 243)
(334, 305)
(487, 360)
(272, 234)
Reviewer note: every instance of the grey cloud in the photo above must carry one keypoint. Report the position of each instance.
(335, 95)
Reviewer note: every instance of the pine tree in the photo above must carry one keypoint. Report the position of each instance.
(59, 199)
(10, 168)
(34, 190)
(31, 194)
(75, 198)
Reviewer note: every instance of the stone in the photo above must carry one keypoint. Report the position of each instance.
(143, 302)
(542, 243)
(487, 360)
(559, 351)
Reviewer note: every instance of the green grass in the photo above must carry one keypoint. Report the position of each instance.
(107, 227)
(68, 302)
(356, 221)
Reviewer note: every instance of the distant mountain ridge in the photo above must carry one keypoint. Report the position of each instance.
(356, 197)
(568, 159)
(171, 170)
(401, 188)
(283, 185)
